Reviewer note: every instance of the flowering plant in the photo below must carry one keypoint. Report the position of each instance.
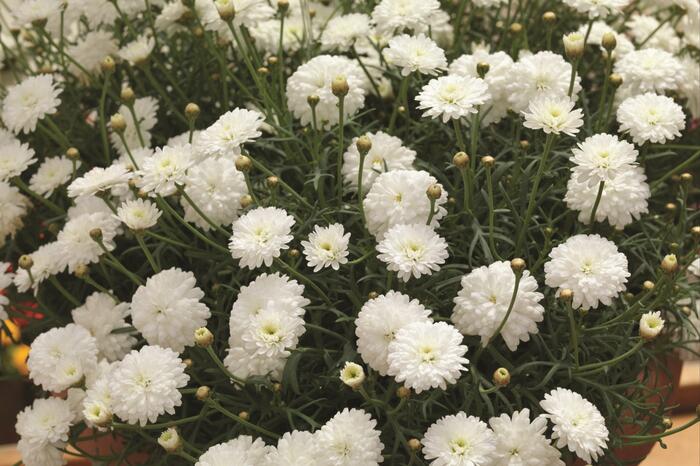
(349, 233)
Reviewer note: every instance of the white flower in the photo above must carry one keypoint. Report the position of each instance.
(341, 32)
(294, 448)
(225, 137)
(624, 198)
(52, 173)
(327, 247)
(267, 290)
(591, 267)
(29, 101)
(415, 54)
(250, 12)
(598, 8)
(602, 156)
(13, 206)
(578, 425)
(595, 37)
(61, 357)
(314, 78)
(352, 374)
(145, 110)
(46, 422)
(88, 205)
(459, 440)
(379, 320)
(33, 11)
(391, 15)
(350, 438)
(426, 355)
(40, 455)
(90, 51)
(650, 70)
(649, 32)
(650, 325)
(650, 117)
(497, 79)
(166, 168)
(484, 299)
(690, 84)
(272, 333)
(387, 153)
(168, 19)
(99, 179)
(15, 157)
(412, 250)
(97, 405)
(553, 115)
(6, 279)
(138, 214)
(542, 73)
(146, 383)
(244, 449)
(77, 246)
(170, 440)
(520, 442)
(137, 51)
(47, 262)
(453, 97)
(167, 309)
(260, 235)
(399, 196)
(101, 315)
(267, 33)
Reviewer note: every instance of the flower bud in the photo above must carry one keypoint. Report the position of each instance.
(107, 65)
(364, 144)
(263, 70)
(401, 109)
(516, 28)
(243, 163)
(669, 264)
(25, 262)
(461, 160)
(518, 265)
(117, 122)
(203, 392)
(170, 440)
(549, 17)
(81, 271)
(670, 208)
(650, 325)
(97, 413)
(246, 200)
(695, 231)
(524, 144)
(188, 363)
(127, 95)
(294, 253)
(340, 86)
(282, 5)
(313, 100)
(434, 191)
(615, 79)
(501, 377)
(686, 178)
(648, 285)
(488, 161)
(226, 9)
(72, 153)
(272, 182)
(192, 111)
(573, 45)
(482, 68)
(352, 375)
(272, 60)
(414, 444)
(566, 295)
(245, 415)
(608, 41)
(96, 234)
(372, 295)
(203, 337)
(403, 392)
(277, 387)
(667, 422)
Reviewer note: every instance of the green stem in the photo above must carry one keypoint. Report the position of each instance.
(613, 361)
(103, 121)
(303, 279)
(149, 257)
(601, 186)
(215, 404)
(53, 207)
(341, 148)
(518, 276)
(196, 208)
(66, 294)
(222, 367)
(489, 188)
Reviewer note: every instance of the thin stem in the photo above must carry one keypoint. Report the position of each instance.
(601, 186)
(53, 207)
(163, 204)
(518, 276)
(222, 367)
(114, 262)
(103, 121)
(341, 148)
(689, 161)
(613, 361)
(303, 279)
(215, 404)
(574, 331)
(147, 253)
(403, 90)
(66, 294)
(360, 176)
(489, 188)
(199, 211)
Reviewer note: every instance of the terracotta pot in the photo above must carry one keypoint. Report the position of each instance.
(108, 445)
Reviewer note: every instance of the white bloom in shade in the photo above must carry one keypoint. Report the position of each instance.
(29, 101)
(243, 449)
(145, 109)
(497, 80)
(542, 73)
(650, 325)
(379, 320)
(15, 157)
(314, 78)
(138, 214)
(399, 196)
(578, 425)
(164, 169)
(137, 51)
(167, 309)
(459, 440)
(267, 33)
(521, 442)
(31, 11)
(250, 12)
(352, 374)
(88, 205)
(260, 235)
(595, 37)
(168, 19)
(598, 8)
(624, 198)
(47, 262)
(387, 153)
(591, 267)
(553, 115)
(216, 188)
(101, 315)
(690, 83)
(13, 206)
(170, 440)
(453, 97)
(650, 70)
(327, 247)
(341, 32)
(52, 173)
(602, 156)
(243, 364)
(6, 279)
(97, 405)
(294, 448)
(391, 15)
(412, 250)
(427, 355)
(77, 246)
(61, 357)
(272, 333)
(99, 179)
(90, 51)
(40, 455)
(648, 32)
(650, 117)
(350, 438)
(415, 54)
(146, 383)
(233, 129)
(46, 422)
(483, 301)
